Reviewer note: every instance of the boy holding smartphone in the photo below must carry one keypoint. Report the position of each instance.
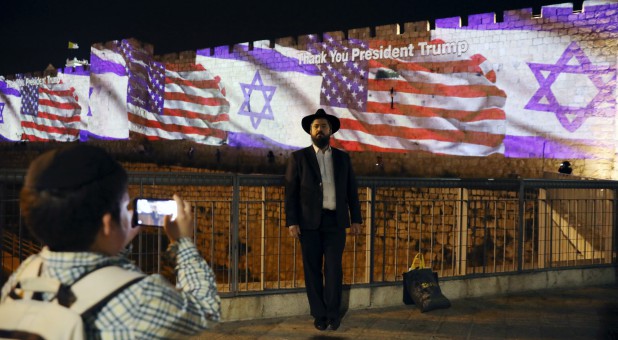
(75, 201)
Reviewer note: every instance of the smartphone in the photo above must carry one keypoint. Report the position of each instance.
(151, 211)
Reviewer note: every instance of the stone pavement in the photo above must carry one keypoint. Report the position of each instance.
(578, 313)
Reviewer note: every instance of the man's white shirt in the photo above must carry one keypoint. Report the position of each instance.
(325, 161)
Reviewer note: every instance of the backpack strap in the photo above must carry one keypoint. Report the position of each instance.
(27, 283)
(33, 269)
(85, 294)
(100, 285)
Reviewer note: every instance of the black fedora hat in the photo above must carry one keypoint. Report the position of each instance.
(320, 113)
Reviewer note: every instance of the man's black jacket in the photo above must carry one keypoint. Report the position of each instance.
(303, 190)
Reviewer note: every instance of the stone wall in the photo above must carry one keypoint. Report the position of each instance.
(595, 27)
(401, 226)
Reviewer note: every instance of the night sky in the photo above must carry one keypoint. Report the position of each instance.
(36, 33)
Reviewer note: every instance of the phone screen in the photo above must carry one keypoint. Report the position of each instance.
(151, 211)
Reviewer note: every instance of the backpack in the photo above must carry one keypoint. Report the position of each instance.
(23, 314)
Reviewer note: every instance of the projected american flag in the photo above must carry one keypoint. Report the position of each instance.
(50, 112)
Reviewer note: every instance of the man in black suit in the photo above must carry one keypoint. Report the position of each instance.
(321, 197)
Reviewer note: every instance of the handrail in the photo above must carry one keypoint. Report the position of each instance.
(205, 178)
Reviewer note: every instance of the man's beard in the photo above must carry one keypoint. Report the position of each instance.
(321, 141)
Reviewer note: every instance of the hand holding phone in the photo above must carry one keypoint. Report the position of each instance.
(183, 225)
(152, 211)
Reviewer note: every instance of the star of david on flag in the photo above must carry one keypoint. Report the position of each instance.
(269, 97)
(568, 113)
(257, 114)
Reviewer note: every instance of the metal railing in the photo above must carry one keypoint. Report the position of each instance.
(464, 228)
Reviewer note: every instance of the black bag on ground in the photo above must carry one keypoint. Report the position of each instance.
(407, 299)
(420, 287)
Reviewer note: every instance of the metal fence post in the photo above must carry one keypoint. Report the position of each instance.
(372, 233)
(614, 248)
(3, 222)
(140, 252)
(521, 225)
(543, 229)
(263, 241)
(234, 232)
(462, 232)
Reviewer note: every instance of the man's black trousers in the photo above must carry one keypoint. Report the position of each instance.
(324, 246)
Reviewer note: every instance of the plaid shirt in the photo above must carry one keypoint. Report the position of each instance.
(149, 309)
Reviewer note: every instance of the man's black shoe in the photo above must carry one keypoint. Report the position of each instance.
(320, 323)
(333, 324)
